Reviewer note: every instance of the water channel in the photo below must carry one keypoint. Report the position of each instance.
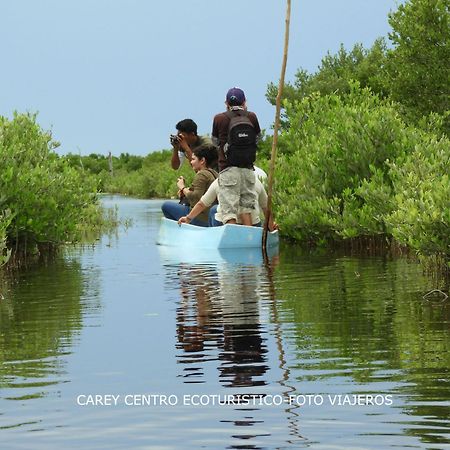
(128, 345)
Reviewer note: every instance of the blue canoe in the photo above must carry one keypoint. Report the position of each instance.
(224, 237)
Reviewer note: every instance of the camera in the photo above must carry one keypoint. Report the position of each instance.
(174, 139)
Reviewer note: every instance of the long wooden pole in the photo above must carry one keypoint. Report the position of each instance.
(276, 127)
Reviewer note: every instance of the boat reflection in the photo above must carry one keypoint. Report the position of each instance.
(218, 314)
(186, 256)
(222, 340)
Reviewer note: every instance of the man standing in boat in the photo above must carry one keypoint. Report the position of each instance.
(236, 132)
(185, 141)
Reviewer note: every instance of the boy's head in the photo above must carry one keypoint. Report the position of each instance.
(188, 128)
(235, 97)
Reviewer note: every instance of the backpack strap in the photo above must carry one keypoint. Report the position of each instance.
(212, 172)
(236, 112)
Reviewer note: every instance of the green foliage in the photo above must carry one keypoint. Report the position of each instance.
(414, 71)
(96, 163)
(5, 252)
(421, 184)
(354, 164)
(146, 177)
(47, 199)
(352, 168)
(160, 179)
(336, 73)
(418, 65)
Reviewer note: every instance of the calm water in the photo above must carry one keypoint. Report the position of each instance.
(128, 345)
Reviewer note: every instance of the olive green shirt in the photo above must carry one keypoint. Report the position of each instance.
(200, 184)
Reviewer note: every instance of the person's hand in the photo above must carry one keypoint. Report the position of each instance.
(182, 142)
(273, 226)
(175, 141)
(180, 183)
(183, 219)
(184, 146)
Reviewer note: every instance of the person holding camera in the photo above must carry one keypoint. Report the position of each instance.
(204, 158)
(185, 141)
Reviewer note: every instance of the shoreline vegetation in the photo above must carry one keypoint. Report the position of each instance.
(363, 155)
(44, 202)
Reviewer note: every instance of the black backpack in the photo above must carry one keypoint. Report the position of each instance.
(241, 149)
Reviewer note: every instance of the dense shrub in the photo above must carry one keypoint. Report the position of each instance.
(417, 66)
(46, 200)
(333, 147)
(421, 218)
(336, 72)
(351, 168)
(5, 253)
(412, 71)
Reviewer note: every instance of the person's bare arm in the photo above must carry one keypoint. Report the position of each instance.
(175, 160)
(185, 147)
(193, 213)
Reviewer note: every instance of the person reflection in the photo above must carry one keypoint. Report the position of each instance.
(218, 318)
(198, 326)
(244, 354)
(193, 314)
(220, 331)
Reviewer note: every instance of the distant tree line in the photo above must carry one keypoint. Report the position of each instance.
(147, 176)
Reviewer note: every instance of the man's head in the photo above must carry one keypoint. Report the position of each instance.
(188, 128)
(235, 97)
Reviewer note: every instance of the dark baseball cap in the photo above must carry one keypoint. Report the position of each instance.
(235, 96)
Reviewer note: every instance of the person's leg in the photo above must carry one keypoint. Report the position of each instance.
(228, 194)
(173, 210)
(212, 222)
(248, 197)
(216, 223)
(246, 219)
(199, 223)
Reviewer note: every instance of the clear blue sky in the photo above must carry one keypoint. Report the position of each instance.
(116, 75)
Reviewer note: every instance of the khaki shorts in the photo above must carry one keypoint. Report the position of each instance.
(237, 192)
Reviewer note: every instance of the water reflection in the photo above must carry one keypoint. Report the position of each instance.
(41, 314)
(243, 356)
(176, 322)
(218, 314)
(219, 322)
(338, 326)
(361, 326)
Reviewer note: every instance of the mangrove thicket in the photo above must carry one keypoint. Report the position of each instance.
(44, 202)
